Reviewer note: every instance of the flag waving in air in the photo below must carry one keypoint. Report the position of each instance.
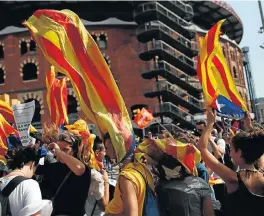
(68, 46)
(218, 85)
(143, 117)
(57, 99)
(6, 111)
(5, 130)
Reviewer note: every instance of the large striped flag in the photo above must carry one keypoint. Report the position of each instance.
(68, 46)
(218, 85)
(57, 98)
(5, 130)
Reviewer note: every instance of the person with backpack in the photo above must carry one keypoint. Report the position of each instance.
(21, 195)
(180, 193)
(134, 191)
(179, 190)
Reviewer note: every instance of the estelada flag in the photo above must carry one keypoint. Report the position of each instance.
(217, 82)
(143, 118)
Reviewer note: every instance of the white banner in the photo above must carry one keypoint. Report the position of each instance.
(23, 114)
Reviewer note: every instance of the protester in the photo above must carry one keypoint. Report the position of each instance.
(131, 186)
(245, 187)
(68, 180)
(98, 196)
(180, 193)
(25, 198)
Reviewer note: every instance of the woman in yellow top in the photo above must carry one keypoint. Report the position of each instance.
(130, 189)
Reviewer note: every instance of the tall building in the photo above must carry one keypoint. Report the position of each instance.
(150, 47)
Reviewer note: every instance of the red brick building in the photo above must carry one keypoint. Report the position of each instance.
(23, 67)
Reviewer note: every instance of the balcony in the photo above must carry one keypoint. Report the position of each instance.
(155, 11)
(166, 52)
(159, 31)
(183, 10)
(176, 95)
(185, 119)
(173, 75)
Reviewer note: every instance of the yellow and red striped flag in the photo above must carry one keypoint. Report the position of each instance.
(57, 98)
(68, 46)
(5, 130)
(217, 82)
(81, 128)
(152, 149)
(6, 111)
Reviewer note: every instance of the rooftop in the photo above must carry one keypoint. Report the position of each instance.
(207, 13)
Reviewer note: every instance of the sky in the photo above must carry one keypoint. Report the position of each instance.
(248, 11)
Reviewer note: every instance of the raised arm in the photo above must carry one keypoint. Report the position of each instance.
(224, 172)
(75, 165)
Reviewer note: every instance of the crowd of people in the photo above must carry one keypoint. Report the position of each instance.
(215, 170)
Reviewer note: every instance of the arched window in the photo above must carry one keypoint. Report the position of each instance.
(234, 72)
(1, 52)
(2, 76)
(23, 48)
(32, 47)
(30, 72)
(102, 42)
(36, 121)
(72, 109)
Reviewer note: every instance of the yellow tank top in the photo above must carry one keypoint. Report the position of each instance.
(129, 172)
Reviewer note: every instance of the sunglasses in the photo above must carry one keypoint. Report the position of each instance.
(66, 138)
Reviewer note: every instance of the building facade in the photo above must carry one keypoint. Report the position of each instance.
(150, 47)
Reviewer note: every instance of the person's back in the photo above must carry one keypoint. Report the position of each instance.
(133, 172)
(248, 199)
(25, 196)
(24, 193)
(71, 197)
(182, 197)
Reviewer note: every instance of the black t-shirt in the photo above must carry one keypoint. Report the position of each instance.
(71, 198)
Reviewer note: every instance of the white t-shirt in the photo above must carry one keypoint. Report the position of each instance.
(96, 192)
(26, 199)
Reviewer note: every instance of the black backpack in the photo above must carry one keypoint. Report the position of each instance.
(4, 194)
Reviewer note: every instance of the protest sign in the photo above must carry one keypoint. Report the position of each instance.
(23, 114)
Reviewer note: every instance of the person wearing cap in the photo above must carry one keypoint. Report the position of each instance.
(179, 190)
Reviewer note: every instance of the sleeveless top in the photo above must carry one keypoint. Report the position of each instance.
(243, 202)
(116, 205)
